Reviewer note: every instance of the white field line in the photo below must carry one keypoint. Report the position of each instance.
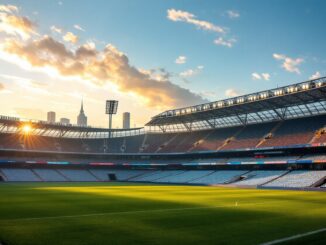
(294, 237)
(236, 204)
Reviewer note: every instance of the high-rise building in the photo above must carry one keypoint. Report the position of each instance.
(126, 120)
(65, 121)
(51, 117)
(82, 119)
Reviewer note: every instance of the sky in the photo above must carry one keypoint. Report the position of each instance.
(151, 55)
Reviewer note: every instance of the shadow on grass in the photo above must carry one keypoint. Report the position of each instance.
(245, 224)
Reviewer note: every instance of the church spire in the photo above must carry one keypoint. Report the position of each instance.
(82, 106)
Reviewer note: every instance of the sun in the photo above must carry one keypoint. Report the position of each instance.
(26, 129)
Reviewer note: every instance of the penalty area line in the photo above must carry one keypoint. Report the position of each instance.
(285, 239)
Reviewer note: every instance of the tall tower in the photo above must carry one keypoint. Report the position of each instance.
(51, 117)
(82, 119)
(126, 120)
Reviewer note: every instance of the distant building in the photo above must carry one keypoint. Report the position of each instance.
(65, 121)
(51, 117)
(126, 120)
(82, 119)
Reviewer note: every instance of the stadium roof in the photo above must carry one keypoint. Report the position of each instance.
(301, 99)
(15, 125)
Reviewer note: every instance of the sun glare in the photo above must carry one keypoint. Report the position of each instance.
(26, 129)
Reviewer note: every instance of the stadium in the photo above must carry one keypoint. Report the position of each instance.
(244, 170)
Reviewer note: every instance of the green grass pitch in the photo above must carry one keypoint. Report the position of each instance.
(104, 213)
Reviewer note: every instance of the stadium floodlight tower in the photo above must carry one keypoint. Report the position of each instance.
(111, 108)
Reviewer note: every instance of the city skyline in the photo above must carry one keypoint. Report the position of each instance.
(189, 52)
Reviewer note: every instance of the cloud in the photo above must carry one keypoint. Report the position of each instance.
(8, 8)
(15, 25)
(181, 60)
(232, 92)
(192, 72)
(289, 64)
(262, 76)
(100, 67)
(233, 14)
(70, 37)
(56, 29)
(228, 43)
(30, 113)
(316, 75)
(2, 87)
(183, 16)
(60, 3)
(78, 27)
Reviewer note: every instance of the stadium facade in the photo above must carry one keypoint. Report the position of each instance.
(272, 138)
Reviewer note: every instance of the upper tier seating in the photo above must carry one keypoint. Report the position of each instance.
(216, 138)
(282, 133)
(250, 136)
(296, 131)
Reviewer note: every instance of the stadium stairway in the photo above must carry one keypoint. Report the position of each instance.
(319, 183)
(37, 175)
(198, 142)
(91, 173)
(165, 145)
(2, 174)
(269, 134)
(280, 176)
(238, 178)
(143, 144)
(64, 176)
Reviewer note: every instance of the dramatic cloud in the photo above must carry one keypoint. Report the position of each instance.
(192, 72)
(70, 37)
(289, 64)
(12, 24)
(183, 16)
(181, 60)
(233, 14)
(232, 92)
(8, 8)
(262, 76)
(56, 29)
(316, 75)
(109, 65)
(228, 43)
(78, 27)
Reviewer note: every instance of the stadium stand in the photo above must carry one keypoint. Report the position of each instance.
(260, 177)
(220, 177)
(274, 138)
(18, 174)
(77, 175)
(49, 175)
(121, 175)
(298, 178)
(186, 177)
(294, 132)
